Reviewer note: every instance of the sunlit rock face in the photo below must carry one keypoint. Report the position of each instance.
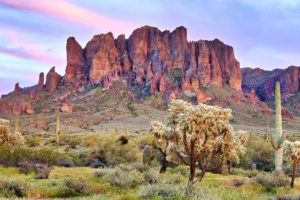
(53, 80)
(148, 57)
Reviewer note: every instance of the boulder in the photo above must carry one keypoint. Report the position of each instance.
(203, 97)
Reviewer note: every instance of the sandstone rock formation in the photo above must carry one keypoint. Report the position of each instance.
(40, 86)
(252, 96)
(202, 97)
(32, 94)
(264, 81)
(65, 107)
(75, 62)
(17, 90)
(149, 55)
(16, 107)
(53, 79)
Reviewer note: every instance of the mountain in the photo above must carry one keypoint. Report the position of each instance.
(148, 56)
(150, 60)
(153, 62)
(263, 81)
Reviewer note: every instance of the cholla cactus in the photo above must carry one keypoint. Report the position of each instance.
(57, 133)
(197, 134)
(292, 152)
(5, 136)
(148, 155)
(279, 138)
(161, 142)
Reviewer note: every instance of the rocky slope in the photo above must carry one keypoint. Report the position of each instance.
(263, 81)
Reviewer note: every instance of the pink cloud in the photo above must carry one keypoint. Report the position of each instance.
(24, 48)
(25, 54)
(73, 13)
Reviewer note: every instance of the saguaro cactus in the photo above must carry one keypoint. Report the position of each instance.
(57, 126)
(278, 139)
(17, 124)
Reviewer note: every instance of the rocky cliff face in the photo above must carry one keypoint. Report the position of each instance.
(148, 57)
(263, 82)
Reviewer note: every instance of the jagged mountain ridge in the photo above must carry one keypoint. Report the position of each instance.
(155, 61)
(263, 81)
(148, 55)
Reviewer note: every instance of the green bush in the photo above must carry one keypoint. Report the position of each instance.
(260, 152)
(164, 191)
(42, 171)
(121, 177)
(33, 141)
(109, 151)
(9, 189)
(275, 179)
(151, 176)
(12, 157)
(75, 187)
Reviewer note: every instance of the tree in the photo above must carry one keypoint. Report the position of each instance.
(197, 134)
(292, 152)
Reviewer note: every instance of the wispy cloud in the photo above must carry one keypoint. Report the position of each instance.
(73, 13)
(18, 46)
(26, 54)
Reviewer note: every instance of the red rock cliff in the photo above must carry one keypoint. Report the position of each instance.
(149, 52)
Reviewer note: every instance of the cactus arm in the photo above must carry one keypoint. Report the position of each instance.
(274, 143)
(282, 139)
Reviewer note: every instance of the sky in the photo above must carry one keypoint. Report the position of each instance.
(33, 33)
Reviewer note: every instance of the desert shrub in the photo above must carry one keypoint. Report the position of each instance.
(288, 197)
(9, 189)
(238, 182)
(151, 177)
(175, 179)
(260, 152)
(33, 141)
(12, 157)
(140, 167)
(109, 151)
(26, 167)
(252, 173)
(72, 141)
(275, 179)
(96, 164)
(125, 179)
(76, 186)
(70, 188)
(103, 172)
(120, 177)
(65, 163)
(42, 171)
(164, 191)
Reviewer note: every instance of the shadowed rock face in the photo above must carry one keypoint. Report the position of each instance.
(17, 89)
(148, 55)
(263, 82)
(41, 82)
